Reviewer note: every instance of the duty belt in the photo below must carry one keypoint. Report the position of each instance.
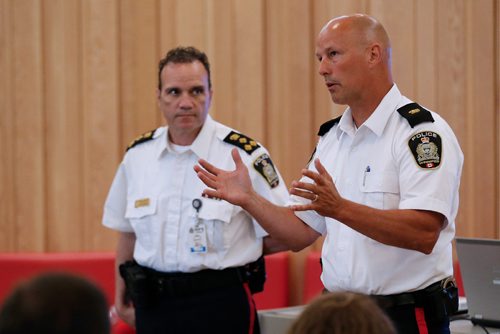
(412, 298)
(181, 284)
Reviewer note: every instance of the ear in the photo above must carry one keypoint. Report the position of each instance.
(374, 54)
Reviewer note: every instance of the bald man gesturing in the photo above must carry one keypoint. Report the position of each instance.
(382, 186)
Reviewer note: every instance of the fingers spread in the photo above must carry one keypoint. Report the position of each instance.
(209, 167)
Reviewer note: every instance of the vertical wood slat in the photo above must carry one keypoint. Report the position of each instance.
(138, 59)
(7, 137)
(397, 17)
(100, 114)
(63, 158)
(29, 192)
(219, 41)
(425, 53)
(480, 101)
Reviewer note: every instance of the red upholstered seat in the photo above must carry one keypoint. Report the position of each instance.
(458, 278)
(312, 282)
(99, 268)
(275, 294)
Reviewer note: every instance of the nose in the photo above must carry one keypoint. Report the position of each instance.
(323, 68)
(186, 102)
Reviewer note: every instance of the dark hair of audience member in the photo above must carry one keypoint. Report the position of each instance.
(55, 303)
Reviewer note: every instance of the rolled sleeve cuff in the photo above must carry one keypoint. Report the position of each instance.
(428, 204)
(312, 219)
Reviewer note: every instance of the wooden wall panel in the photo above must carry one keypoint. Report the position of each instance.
(29, 175)
(7, 137)
(397, 16)
(220, 41)
(250, 70)
(63, 132)
(138, 58)
(480, 125)
(101, 117)
(425, 54)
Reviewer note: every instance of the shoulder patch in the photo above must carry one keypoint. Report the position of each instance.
(415, 114)
(325, 127)
(141, 139)
(265, 167)
(247, 144)
(427, 149)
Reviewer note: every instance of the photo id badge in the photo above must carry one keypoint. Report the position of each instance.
(197, 232)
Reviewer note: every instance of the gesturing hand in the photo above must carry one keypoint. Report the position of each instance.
(232, 186)
(325, 198)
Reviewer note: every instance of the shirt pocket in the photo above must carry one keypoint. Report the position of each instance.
(217, 217)
(381, 190)
(141, 212)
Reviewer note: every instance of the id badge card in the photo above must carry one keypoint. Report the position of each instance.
(198, 232)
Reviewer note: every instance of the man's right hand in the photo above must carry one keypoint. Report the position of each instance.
(233, 186)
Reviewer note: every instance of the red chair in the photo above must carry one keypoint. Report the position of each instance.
(458, 278)
(312, 282)
(275, 294)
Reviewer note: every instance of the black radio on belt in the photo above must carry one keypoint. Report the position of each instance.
(136, 283)
(442, 301)
(256, 275)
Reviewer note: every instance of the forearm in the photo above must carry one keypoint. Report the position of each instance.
(284, 227)
(411, 229)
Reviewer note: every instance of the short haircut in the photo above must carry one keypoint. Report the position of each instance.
(55, 303)
(184, 55)
(343, 312)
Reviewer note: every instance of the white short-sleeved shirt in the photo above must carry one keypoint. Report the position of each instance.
(374, 165)
(152, 196)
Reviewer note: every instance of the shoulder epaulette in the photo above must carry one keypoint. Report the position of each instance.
(325, 127)
(247, 144)
(141, 139)
(415, 114)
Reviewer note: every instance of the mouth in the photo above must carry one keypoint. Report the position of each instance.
(330, 84)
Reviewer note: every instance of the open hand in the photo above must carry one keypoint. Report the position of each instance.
(322, 193)
(233, 186)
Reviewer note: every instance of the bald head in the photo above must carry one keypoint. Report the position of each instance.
(362, 30)
(354, 54)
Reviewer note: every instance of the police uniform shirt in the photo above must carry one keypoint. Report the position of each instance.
(383, 164)
(152, 196)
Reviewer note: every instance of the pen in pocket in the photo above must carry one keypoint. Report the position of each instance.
(367, 170)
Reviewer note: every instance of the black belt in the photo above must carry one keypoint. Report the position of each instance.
(410, 298)
(181, 284)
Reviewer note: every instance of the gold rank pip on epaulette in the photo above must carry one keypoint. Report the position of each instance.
(141, 139)
(247, 144)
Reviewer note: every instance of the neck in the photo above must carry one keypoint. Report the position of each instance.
(182, 138)
(364, 108)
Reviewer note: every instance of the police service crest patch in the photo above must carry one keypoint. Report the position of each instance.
(265, 167)
(426, 148)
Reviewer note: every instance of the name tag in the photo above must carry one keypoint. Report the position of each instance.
(142, 202)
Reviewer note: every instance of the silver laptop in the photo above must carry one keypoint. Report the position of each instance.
(480, 267)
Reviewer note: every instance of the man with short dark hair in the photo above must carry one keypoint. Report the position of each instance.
(195, 259)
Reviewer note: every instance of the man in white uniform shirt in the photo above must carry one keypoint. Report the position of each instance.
(187, 263)
(382, 185)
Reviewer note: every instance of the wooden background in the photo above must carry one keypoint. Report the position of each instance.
(78, 81)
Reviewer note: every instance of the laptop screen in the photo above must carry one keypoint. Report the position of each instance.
(480, 267)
